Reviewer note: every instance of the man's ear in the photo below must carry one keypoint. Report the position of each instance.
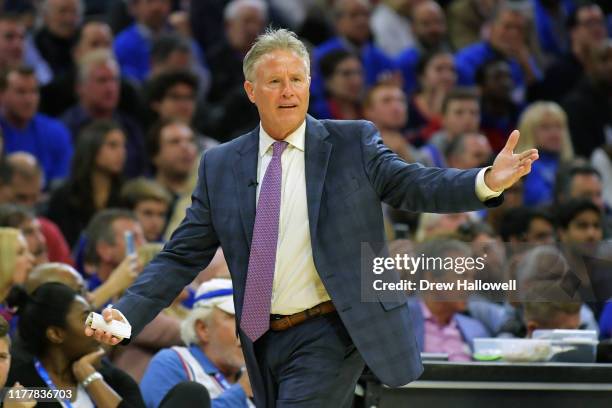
(55, 334)
(202, 332)
(250, 90)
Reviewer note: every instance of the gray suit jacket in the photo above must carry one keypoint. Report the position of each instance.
(349, 171)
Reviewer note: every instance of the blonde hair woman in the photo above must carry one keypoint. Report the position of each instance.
(543, 125)
(16, 261)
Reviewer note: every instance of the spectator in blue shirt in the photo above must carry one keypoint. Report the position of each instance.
(352, 22)
(26, 130)
(507, 40)
(550, 22)
(212, 358)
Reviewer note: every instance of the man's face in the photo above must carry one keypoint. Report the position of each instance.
(177, 151)
(179, 102)
(12, 43)
(95, 36)
(388, 108)
(585, 228)
(587, 186)
(152, 216)
(346, 83)
(63, 17)
(429, 24)
(37, 244)
(462, 116)
(560, 320)
(21, 97)
(100, 91)
(354, 21)
(152, 13)
(590, 27)
(26, 191)
(498, 81)
(243, 29)
(120, 227)
(508, 29)
(476, 153)
(540, 232)
(223, 346)
(280, 90)
(601, 66)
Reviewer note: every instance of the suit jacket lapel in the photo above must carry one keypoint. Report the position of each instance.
(317, 154)
(245, 176)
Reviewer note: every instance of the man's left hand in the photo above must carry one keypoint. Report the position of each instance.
(508, 167)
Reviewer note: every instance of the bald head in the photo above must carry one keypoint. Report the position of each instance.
(27, 178)
(54, 272)
(429, 24)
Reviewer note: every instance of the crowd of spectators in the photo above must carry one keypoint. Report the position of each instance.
(105, 107)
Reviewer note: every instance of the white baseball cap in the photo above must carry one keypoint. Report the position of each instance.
(216, 292)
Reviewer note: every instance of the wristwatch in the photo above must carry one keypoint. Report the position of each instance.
(91, 378)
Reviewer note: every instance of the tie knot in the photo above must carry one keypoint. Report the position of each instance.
(278, 148)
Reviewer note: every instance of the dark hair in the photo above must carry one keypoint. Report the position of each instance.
(565, 178)
(516, 221)
(161, 84)
(90, 141)
(569, 210)
(23, 70)
(426, 58)
(100, 229)
(11, 16)
(166, 44)
(153, 141)
(13, 215)
(46, 306)
(459, 94)
(330, 61)
(572, 19)
(481, 72)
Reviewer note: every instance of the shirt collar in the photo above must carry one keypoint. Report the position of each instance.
(206, 364)
(295, 139)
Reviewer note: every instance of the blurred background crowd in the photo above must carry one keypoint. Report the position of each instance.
(107, 105)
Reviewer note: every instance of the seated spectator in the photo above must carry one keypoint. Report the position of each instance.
(543, 126)
(172, 149)
(551, 315)
(508, 40)
(13, 47)
(228, 112)
(213, 356)
(16, 261)
(26, 130)
(468, 20)
(61, 356)
(587, 29)
(429, 25)
(150, 203)
(588, 104)
(385, 105)
(550, 18)
(499, 114)
(392, 27)
(26, 183)
(440, 326)
(353, 29)
(579, 181)
(579, 221)
(460, 114)
(468, 151)
(342, 74)
(98, 90)
(173, 95)
(437, 77)
(61, 93)
(527, 225)
(55, 39)
(21, 218)
(94, 182)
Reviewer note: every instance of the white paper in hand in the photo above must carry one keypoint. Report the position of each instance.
(116, 328)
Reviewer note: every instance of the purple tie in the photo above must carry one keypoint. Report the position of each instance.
(255, 319)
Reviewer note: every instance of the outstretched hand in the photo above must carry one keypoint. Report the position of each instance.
(102, 336)
(508, 166)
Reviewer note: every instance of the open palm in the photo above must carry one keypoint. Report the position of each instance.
(508, 166)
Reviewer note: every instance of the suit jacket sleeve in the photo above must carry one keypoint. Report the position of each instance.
(190, 249)
(415, 187)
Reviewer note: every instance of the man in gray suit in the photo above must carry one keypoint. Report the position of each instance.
(290, 204)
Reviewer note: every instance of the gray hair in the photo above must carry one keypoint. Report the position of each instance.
(233, 8)
(93, 59)
(188, 333)
(274, 40)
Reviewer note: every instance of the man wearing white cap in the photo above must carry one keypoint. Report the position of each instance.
(213, 356)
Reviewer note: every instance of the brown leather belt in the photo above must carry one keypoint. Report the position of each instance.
(280, 322)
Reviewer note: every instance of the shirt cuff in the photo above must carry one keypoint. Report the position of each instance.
(483, 192)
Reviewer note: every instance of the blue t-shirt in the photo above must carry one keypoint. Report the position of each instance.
(45, 138)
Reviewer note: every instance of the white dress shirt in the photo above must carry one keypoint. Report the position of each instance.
(297, 285)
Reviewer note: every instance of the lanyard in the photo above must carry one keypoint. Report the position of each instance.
(222, 381)
(47, 379)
